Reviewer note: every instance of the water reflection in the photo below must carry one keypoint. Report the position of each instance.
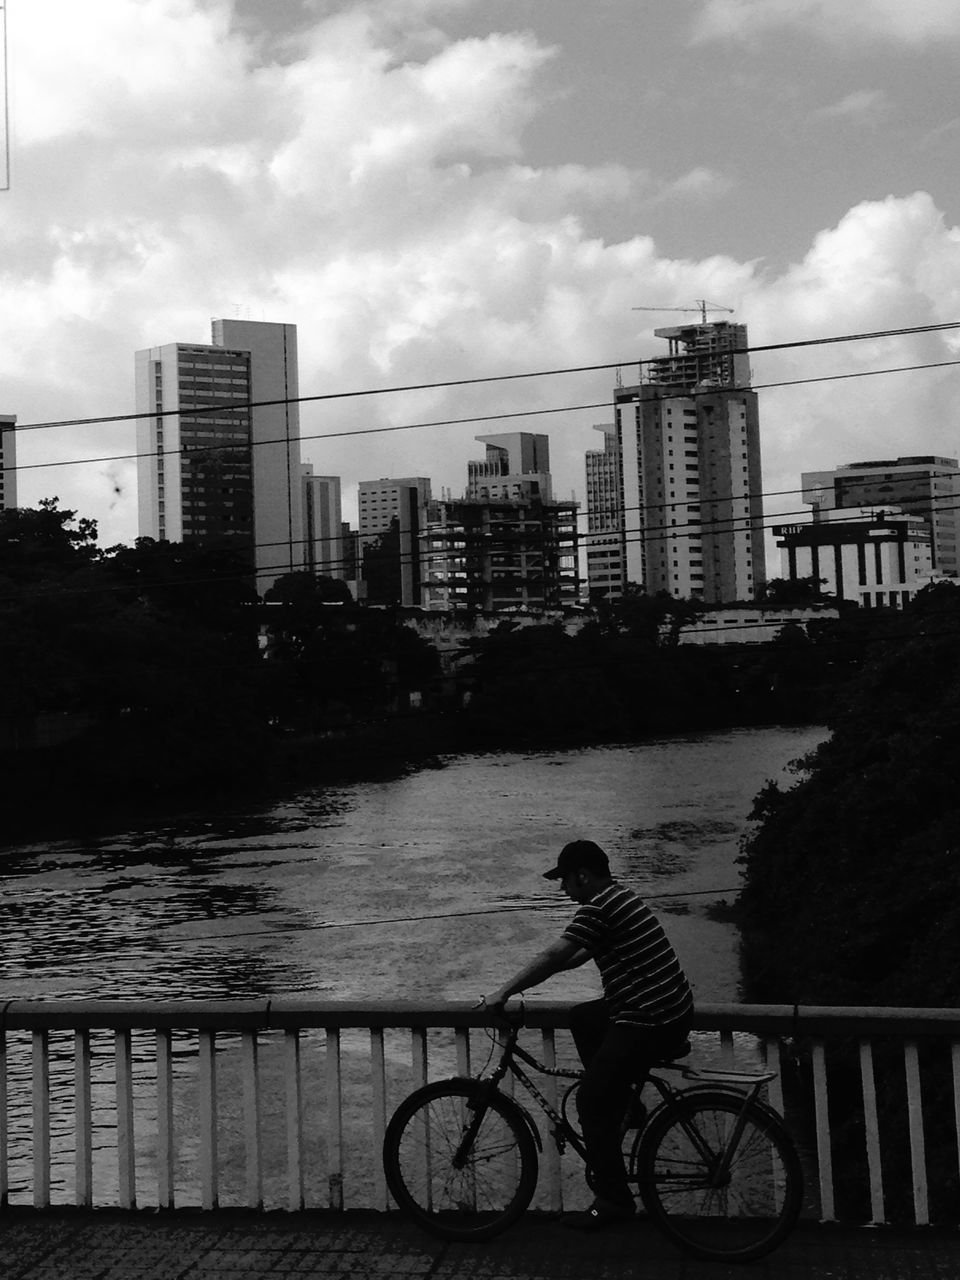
(429, 882)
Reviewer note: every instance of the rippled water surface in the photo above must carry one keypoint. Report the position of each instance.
(424, 886)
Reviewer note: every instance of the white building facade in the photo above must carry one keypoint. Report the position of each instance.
(877, 559)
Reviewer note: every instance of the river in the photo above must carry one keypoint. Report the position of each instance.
(427, 886)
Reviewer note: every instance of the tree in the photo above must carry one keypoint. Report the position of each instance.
(655, 619)
(40, 545)
(301, 604)
(210, 585)
(856, 853)
(382, 569)
(793, 593)
(848, 894)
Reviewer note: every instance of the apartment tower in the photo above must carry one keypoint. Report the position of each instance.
(8, 461)
(323, 525)
(689, 440)
(605, 531)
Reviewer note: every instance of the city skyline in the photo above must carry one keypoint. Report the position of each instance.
(438, 190)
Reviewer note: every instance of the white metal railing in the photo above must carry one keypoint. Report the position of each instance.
(284, 1103)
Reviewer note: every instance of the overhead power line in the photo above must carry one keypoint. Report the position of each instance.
(502, 377)
(443, 422)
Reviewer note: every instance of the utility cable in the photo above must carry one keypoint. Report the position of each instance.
(507, 377)
(503, 909)
(461, 421)
(245, 447)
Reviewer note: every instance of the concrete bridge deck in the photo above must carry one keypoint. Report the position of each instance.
(105, 1244)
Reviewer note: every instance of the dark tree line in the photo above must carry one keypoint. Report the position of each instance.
(137, 670)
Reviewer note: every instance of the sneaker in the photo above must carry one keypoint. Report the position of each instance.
(602, 1213)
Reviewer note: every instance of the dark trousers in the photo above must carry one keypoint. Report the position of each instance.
(615, 1056)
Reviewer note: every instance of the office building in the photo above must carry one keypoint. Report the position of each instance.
(219, 444)
(689, 439)
(924, 486)
(516, 467)
(8, 461)
(506, 544)
(392, 514)
(873, 558)
(323, 525)
(605, 524)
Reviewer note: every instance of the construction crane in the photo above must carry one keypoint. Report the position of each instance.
(703, 306)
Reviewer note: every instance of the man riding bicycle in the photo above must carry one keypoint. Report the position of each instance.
(644, 1016)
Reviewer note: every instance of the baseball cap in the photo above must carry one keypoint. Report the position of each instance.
(579, 855)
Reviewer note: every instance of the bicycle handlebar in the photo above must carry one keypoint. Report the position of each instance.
(502, 1016)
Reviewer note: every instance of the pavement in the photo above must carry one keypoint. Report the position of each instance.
(184, 1244)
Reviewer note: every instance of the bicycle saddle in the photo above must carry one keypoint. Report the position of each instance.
(680, 1050)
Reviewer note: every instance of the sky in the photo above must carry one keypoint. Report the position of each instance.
(442, 190)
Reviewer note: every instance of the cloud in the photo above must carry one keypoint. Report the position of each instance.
(921, 22)
(888, 264)
(370, 184)
(862, 105)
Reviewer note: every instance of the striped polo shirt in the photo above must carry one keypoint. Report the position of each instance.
(642, 979)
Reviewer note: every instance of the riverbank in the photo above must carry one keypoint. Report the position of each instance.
(84, 786)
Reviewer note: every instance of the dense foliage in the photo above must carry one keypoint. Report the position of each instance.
(135, 671)
(626, 676)
(851, 880)
(850, 874)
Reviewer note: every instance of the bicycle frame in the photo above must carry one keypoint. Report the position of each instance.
(708, 1080)
(733, 1082)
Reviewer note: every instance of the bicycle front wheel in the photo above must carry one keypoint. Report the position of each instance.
(465, 1168)
(720, 1189)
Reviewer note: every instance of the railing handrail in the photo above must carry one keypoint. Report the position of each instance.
(286, 1012)
(145, 1074)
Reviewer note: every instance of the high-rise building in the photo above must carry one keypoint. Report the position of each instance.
(924, 486)
(605, 525)
(219, 444)
(322, 525)
(8, 461)
(690, 456)
(506, 544)
(391, 521)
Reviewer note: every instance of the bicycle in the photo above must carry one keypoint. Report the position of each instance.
(715, 1166)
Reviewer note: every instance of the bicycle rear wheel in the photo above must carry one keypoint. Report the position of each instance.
(465, 1169)
(732, 1216)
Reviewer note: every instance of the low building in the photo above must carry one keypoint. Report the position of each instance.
(920, 485)
(875, 558)
(750, 623)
